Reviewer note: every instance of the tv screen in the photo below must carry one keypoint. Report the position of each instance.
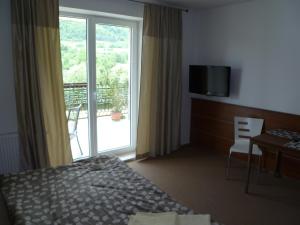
(210, 80)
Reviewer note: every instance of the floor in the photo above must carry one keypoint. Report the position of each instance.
(110, 134)
(196, 178)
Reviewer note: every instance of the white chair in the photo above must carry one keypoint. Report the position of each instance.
(244, 129)
(73, 116)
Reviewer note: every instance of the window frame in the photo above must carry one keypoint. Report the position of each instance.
(135, 66)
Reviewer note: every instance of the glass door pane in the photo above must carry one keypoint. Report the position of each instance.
(73, 41)
(113, 87)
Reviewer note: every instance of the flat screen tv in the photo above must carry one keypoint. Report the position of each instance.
(210, 80)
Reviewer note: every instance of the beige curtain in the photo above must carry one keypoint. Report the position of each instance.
(38, 84)
(160, 89)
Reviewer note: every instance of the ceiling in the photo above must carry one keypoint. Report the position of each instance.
(200, 4)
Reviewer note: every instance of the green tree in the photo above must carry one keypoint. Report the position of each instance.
(112, 45)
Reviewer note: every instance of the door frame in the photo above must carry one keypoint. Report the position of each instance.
(135, 65)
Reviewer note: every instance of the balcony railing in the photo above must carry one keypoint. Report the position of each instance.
(77, 93)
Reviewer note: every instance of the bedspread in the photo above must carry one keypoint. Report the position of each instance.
(96, 191)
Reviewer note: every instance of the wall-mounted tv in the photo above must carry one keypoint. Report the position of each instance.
(210, 80)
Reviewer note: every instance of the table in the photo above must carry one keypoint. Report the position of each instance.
(272, 144)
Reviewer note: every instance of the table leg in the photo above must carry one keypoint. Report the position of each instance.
(278, 162)
(249, 166)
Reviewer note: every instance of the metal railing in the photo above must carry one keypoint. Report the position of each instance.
(77, 93)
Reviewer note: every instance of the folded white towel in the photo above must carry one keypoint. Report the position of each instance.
(193, 220)
(168, 218)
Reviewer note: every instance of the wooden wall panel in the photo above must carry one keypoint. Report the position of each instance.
(212, 126)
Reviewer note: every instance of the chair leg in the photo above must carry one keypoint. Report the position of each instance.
(259, 168)
(79, 144)
(228, 165)
(260, 163)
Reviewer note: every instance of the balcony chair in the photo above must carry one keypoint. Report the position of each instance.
(73, 115)
(244, 129)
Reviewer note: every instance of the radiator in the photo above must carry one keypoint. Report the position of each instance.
(9, 153)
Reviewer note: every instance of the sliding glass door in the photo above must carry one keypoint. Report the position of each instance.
(104, 82)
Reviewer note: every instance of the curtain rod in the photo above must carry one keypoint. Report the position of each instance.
(143, 2)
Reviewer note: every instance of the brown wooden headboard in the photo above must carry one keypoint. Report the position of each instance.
(212, 127)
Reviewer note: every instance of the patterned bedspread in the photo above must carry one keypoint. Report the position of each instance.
(96, 191)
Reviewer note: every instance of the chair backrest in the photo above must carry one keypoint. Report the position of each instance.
(73, 115)
(245, 128)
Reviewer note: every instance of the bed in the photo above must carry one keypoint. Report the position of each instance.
(99, 191)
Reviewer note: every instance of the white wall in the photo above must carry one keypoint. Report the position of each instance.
(260, 40)
(109, 6)
(8, 118)
(193, 25)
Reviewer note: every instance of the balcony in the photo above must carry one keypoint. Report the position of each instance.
(111, 134)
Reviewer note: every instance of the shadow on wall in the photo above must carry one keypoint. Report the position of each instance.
(235, 83)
